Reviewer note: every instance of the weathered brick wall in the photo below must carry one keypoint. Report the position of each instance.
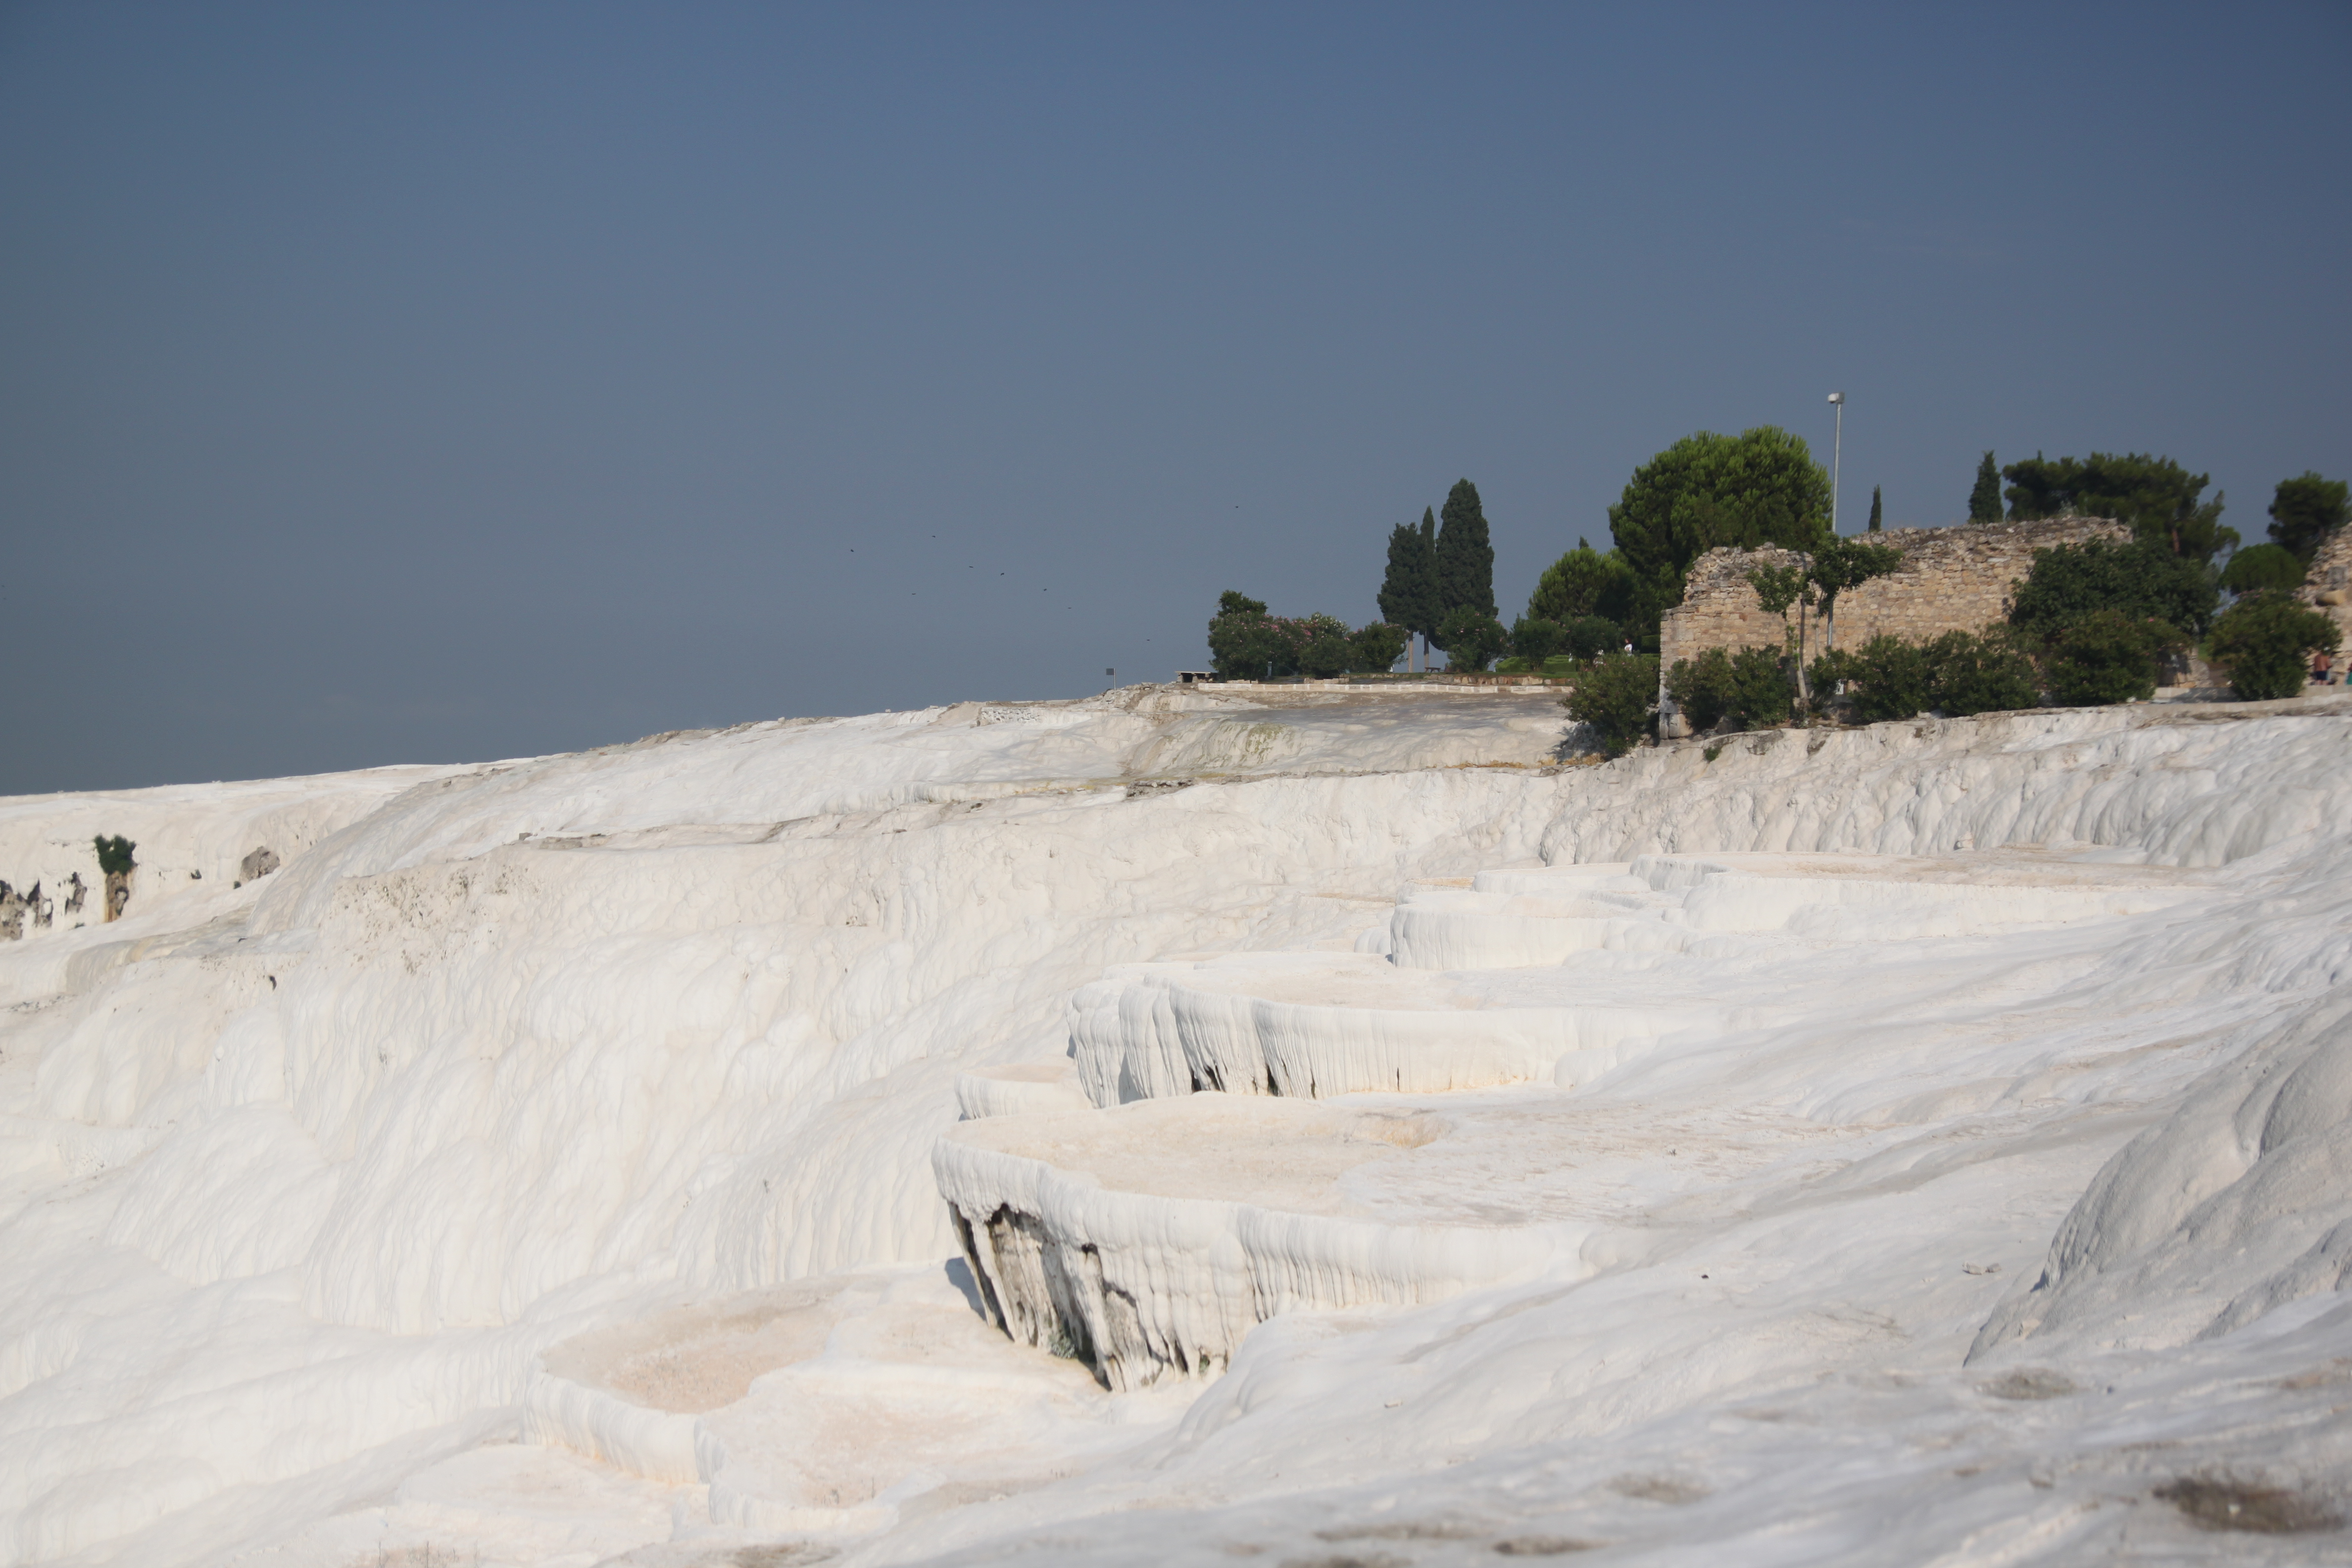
(1952, 579)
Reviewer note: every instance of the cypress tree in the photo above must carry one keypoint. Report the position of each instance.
(1408, 596)
(1466, 560)
(1873, 510)
(1984, 500)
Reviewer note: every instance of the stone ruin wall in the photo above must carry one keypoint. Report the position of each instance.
(2327, 585)
(1952, 580)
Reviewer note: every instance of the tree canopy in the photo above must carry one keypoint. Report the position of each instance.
(1876, 512)
(1761, 487)
(2156, 496)
(2305, 511)
(1583, 583)
(2261, 566)
(1409, 594)
(2072, 582)
(1984, 496)
(1465, 556)
(1247, 643)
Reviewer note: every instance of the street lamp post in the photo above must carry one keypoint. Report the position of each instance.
(1837, 452)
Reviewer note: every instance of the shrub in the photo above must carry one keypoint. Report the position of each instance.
(1889, 679)
(2108, 657)
(1980, 674)
(114, 855)
(2140, 582)
(1377, 644)
(1748, 685)
(1247, 643)
(1326, 648)
(2261, 566)
(1828, 672)
(1244, 642)
(1535, 640)
(1616, 697)
(1470, 638)
(2267, 641)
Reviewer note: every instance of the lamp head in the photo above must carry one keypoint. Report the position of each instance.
(1837, 397)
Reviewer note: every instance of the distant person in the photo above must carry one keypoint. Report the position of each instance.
(1628, 644)
(2322, 667)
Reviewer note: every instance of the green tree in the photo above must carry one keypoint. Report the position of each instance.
(2260, 566)
(1585, 582)
(1874, 513)
(2156, 496)
(1470, 638)
(1761, 487)
(1466, 558)
(1616, 697)
(1841, 563)
(1409, 593)
(2266, 640)
(2072, 582)
(1984, 498)
(1244, 642)
(1777, 588)
(2305, 511)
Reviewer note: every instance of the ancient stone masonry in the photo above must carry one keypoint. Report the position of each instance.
(2327, 585)
(1952, 580)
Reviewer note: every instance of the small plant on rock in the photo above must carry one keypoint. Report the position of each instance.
(114, 855)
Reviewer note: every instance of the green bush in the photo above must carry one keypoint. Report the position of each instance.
(1247, 643)
(1470, 638)
(2261, 566)
(1983, 674)
(1748, 685)
(1589, 637)
(2139, 582)
(114, 855)
(2267, 641)
(1377, 644)
(2108, 657)
(1616, 697)
(1535, 640)
(1889, 679)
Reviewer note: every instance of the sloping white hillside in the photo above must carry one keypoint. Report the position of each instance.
(303, 1183)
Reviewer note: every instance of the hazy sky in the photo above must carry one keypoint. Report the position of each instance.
(418, 383)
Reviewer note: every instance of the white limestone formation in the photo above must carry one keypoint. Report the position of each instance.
(1631, 1153)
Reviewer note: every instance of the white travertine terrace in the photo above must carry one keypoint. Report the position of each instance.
(1917, 1142)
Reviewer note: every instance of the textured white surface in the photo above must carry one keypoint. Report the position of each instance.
(293, 1196)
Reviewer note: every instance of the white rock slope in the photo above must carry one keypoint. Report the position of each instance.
(303, 1183)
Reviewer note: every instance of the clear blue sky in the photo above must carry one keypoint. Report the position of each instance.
(431, 382)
